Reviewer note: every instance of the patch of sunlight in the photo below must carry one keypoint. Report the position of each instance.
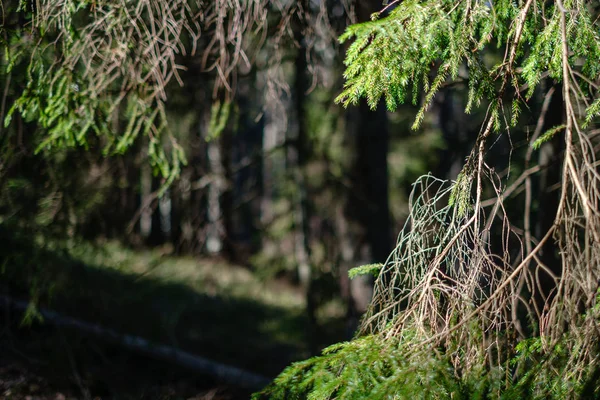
(333, 309)
(205, 276)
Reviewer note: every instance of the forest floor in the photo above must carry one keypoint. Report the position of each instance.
(205, 307)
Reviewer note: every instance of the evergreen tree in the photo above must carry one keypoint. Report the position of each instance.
(466, 306)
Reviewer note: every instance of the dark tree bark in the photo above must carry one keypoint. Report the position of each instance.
(297, 155)
(372, 178)
(455, 134)
(548, 197)
(364, 225)
(157, 232)
(247, 159)
(228, 194)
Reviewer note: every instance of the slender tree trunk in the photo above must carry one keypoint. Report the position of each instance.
(165, 209)
(177, 205)
(373, 144)
(363, 223)
(368, 203)
(215, 229)
(145, 192)
(228, 194)
(273, 163)
(269, 143)
(298, 158)
(456, 137)
(157, 232)
(346, 244)
(246, 174)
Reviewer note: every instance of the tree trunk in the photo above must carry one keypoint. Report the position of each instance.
(297, 155)
(157, 228)
(228, 193)
(145, 201)
(549, 197)
(456, 136)
(372, 172)
(363, 224)
(215, 229)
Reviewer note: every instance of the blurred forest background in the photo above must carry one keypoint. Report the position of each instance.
(190, 180)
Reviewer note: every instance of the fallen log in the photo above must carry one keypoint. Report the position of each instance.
(221, 372)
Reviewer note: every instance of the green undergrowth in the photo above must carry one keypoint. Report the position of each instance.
(373, 367)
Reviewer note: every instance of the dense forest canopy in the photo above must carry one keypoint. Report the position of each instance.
(212, 127)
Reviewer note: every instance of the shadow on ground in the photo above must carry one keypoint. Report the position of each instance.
(246, 333)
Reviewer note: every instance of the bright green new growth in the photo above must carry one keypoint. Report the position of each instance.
(370, 367)
(97, 73)
(423, 44)
(365, 368)
(549, 134)
(369, 269)
(460, 196)
(219, 115)
(90, 66)
(415, 50)
(443, 321)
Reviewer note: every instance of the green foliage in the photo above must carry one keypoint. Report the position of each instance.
(421, 45)
(369, 269)
(460, 196)
(85, 72)
(31, 314)
(549, 134)
(374, 367)
(219, 115)
(395, 57)
(365, 368)
(426, 294)
(592, 111)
